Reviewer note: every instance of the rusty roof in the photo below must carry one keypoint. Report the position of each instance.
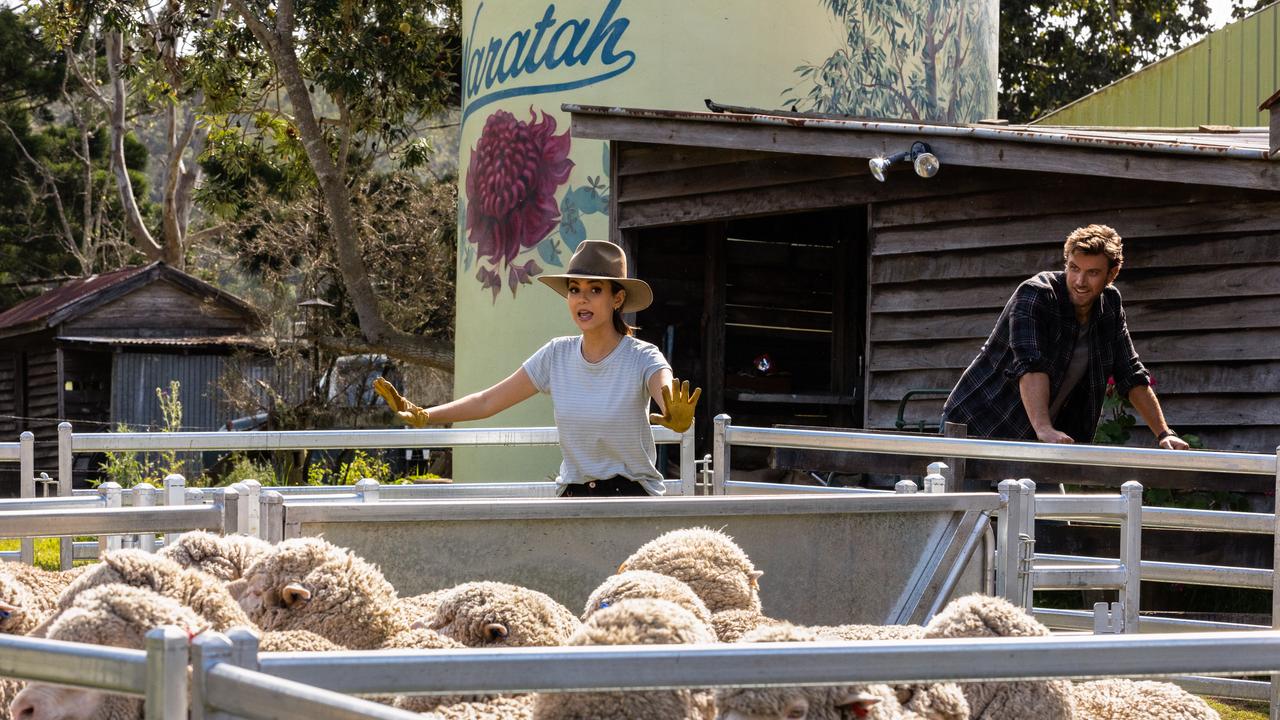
(1236, 143)
(64, 296)
(243, 341)
(86, 293)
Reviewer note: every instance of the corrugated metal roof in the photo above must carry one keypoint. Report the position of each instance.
(64, 296)
(198, 341)
(1221, 80)
(1241, 144)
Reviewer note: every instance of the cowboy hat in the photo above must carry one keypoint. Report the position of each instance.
(602, 260)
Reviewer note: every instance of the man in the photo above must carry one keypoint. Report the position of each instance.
(1044, 371)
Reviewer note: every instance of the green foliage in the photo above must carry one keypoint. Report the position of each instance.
(242, 467)
(1055, 51)
(925, 60)
(129, 469)
(48, 552)
(1118, 420)
(361, 465)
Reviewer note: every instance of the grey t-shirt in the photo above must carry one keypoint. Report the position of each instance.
(1075, 371)
(601, 409)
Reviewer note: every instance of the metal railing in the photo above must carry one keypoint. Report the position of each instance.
(1048, 571)
(70, 443)
(614, 668)
(158, 673)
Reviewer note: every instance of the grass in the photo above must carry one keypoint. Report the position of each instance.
(1239, 709)
(47, 552)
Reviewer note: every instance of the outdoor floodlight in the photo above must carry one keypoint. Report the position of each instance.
(920, 155)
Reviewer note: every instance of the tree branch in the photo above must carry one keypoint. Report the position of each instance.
(132, 215)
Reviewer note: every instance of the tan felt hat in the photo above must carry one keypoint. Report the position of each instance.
(602, 260)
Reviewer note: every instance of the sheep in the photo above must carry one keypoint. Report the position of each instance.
(29, 595)
(493, 614)
(1119, 699)
(984, 616)
(708, 561)
(942, 701)
(637, 621)
(311, 584)
(645, 584)
(202, 593)
(225, 557)
(732, 625)
(422, 607)
(111, 614)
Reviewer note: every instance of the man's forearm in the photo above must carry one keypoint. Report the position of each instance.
(1034, 389)
(1143, 399)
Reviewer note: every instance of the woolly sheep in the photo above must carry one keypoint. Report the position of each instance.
(111, 614)
(311, 584)
(706, 560)
(493, 614)
(985, 616)
(29, 595)
(202, 593)
(645, 584)
(1119, 699)
(944, 701)
(635, 621)
(225, 557)
(732, 625)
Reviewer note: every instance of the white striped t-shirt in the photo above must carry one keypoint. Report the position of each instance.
(601, 409)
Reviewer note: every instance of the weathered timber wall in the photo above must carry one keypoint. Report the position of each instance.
(158, 309)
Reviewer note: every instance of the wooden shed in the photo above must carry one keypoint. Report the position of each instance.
(94, 350)
(767, 239)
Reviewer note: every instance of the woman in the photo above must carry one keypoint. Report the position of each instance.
(600, 383)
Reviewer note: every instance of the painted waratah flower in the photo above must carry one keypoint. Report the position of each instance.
(515, 169)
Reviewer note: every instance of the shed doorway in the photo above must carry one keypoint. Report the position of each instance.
(766, 314)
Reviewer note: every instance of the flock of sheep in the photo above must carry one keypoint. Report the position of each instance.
(686, 586)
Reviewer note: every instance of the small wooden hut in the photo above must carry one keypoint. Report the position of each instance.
(766, 238)
(94, 350)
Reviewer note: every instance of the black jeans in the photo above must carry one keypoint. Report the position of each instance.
(616, 486)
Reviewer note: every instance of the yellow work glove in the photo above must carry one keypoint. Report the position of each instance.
(680, 406)
(408, 412)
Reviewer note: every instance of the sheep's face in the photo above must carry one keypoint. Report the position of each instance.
(49, 702)
(489, 614)
(309, 584)
(15, 602)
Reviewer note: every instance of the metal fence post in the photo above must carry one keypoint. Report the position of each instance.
(27, 485)
(112, 497)
(1027, 544)
(208, 649)
(272, 516)
(1007, 541)
(935, 481)
(705, 480)
(1275, 586)
(250, 508)
(720, 454)
(946, 483)
(1131, 553)
(228, 500)
(688, 458)
(175, 493)
(144, 495)
(66, 545)
(367, 490)
(244, 648)
(167, 689)
(905, 487)
(193, 496)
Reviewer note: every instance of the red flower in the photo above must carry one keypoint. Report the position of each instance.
(515, 169)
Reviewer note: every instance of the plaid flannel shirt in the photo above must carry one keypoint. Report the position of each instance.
(1036, 332)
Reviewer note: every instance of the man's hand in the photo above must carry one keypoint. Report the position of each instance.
(409, 413)
(1053, 435)
(680, 405)
(1173, 442)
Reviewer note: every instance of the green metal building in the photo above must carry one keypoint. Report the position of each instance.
(1220, 80)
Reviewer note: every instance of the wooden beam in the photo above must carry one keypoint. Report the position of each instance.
(756, 173)
(1009, 154)
(641, 158)
(713, 317)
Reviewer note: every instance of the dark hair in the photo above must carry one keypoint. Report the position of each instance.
(618, 323)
